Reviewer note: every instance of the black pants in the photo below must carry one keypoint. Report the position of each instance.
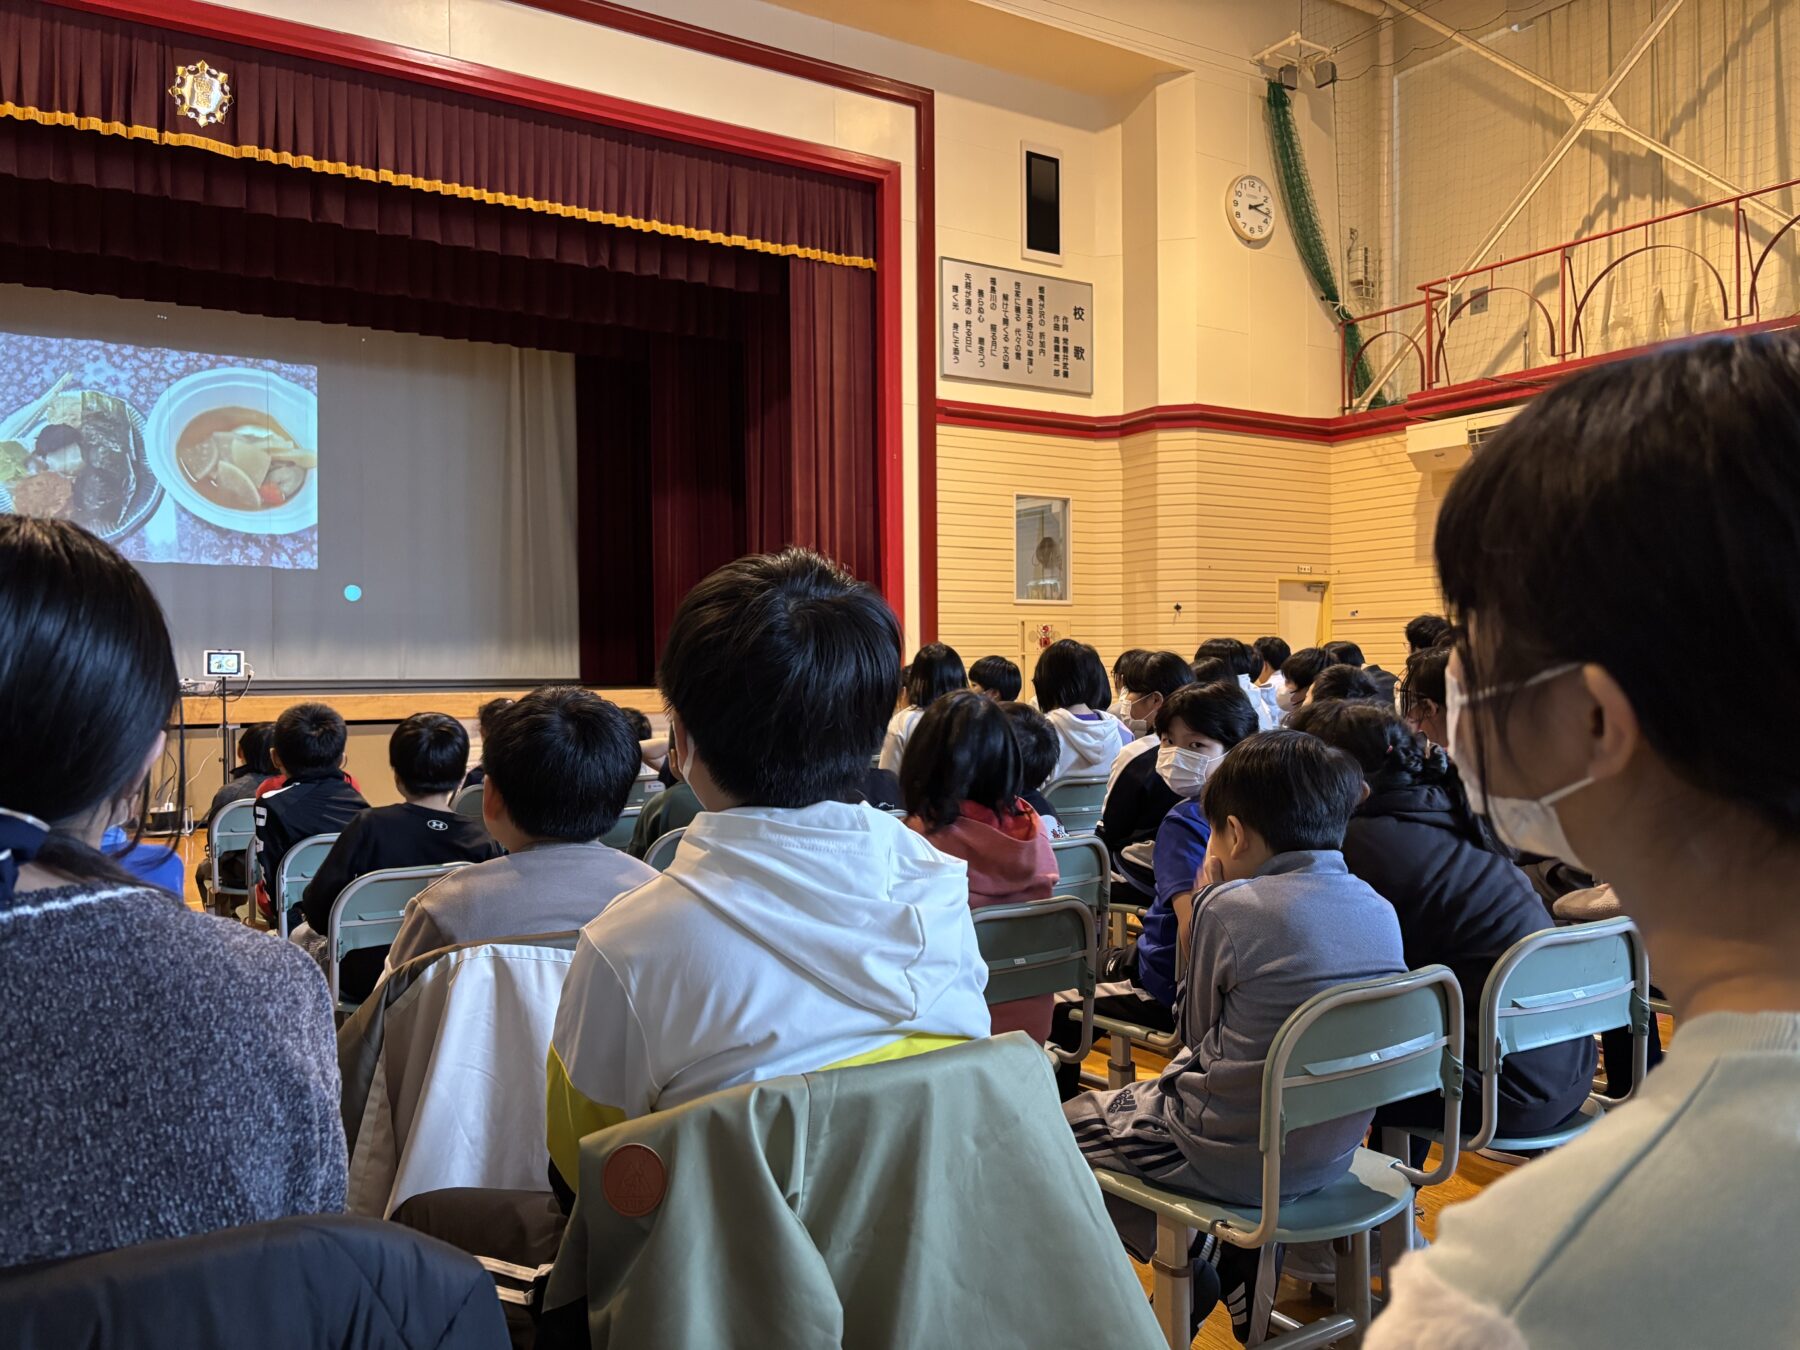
(1065, 1031)
(1615, 1046)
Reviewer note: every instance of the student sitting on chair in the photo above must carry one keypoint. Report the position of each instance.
(560, 764)
(996, 677)
(1349, 654)
(792, 932)
(1123, 667)
(1243, 664)
(1343, 682)
(962, 778)
(1297, 674)
(429, 753)
(1038, 749)
(484, 719)
(253, 768)
(1072, 691)
(1278, 918)
(313, 796)
(1156, 676)
(1273, 653)
(1195, 729)
(937, 670)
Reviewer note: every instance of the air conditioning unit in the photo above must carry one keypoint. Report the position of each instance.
(1449, 443)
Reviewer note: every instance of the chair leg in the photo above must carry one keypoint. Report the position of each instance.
(1262, 1303)
(1174, 1286)
(1399, 1235)
(1353, 1275)
(1121, 1068)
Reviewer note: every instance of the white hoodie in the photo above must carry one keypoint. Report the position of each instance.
(1262, 703)
(778, 942)
(1088, 747)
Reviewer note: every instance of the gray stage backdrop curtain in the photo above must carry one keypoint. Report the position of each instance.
(446, 493)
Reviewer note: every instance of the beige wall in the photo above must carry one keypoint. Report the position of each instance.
(1383, 515)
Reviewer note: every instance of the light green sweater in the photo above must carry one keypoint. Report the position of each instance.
(1670, 1225)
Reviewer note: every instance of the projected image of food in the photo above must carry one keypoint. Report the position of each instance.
(170, 456)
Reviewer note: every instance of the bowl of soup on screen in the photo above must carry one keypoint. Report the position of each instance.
(239, 449)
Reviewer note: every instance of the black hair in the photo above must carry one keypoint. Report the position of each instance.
(1427, 631)
(1425, 675)
(1664, 485)
(309, 737)
(563, 760)
(1392, 754)
(937, 670)
(963, 749)
(1040, 748)
(1160, 673)
(1212, 671)
(1303, 667)
(1219, 711)
(253, 747)
(639, 722)
(781, 668)
(1345, 654)
(429, 753)
(1294, 790)
(485, 714)
(998, 676)
(1346, 682)
(87, 682)
(1122, 663)
(1070, 672)
(1272, 651)
(1233, 653)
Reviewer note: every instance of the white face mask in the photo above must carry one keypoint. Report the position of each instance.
(1289, 698)
(1185, 771)
(1139, 726)
(1528, 824)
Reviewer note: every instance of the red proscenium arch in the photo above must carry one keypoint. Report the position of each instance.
(222, 24)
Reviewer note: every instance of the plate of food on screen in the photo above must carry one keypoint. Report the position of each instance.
(239, 449)
(78, 454)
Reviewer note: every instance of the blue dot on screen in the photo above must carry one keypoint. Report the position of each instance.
(353, 593)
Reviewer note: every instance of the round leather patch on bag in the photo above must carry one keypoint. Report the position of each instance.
(634, 1180)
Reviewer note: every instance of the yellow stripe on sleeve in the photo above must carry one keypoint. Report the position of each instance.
(570, 1118)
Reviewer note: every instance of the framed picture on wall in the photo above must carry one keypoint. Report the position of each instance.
(1041, 549)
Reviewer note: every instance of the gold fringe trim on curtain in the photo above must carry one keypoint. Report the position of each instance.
(360, 172)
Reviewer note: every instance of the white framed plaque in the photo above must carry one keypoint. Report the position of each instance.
(1000, 326)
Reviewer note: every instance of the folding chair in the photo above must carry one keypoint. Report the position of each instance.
(1084, 872)
(233, 830)
(1077, 800)
(643, 788)
(1344, 1052)
(623, 828)
(368, 911)
(1560, 984)
(1039, 948)
(300, 866)
(662, 852)
(467, 801)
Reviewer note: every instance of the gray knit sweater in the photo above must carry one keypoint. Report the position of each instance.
(165, 1073)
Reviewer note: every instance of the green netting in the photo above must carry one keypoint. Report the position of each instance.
(1309, 234)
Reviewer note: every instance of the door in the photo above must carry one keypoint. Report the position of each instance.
(1300, 613)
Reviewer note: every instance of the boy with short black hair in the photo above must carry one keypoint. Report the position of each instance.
(793, 931)
(996, 677)
(1039, 747)
(1278, 918)
(560, 764)
(486, 717)
(315, 796)
(428, 752)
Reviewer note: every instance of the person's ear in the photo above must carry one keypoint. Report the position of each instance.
(1237, 838)
(678, 745)
(275, 759)
(493, 806)
(1612, 722)
(1363, 793)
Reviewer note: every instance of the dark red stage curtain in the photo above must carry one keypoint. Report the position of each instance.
(341, 136)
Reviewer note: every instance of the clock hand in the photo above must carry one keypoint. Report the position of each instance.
(1260, 206)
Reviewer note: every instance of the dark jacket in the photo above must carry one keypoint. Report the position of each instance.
(671, 809)
(321, 801)
(1134, 812)
(1463, 906)
(318, 1283)
(1384, 681)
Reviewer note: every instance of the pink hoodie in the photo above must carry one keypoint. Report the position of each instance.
(1010, 863)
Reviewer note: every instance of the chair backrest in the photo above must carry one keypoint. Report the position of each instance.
(1040, 947)
(467, 801)
(662, 852)
(643, 788)
(1084, 871)
(368, 911)
(300, 866)
(233, 830)
(623, 828)
(1077, 800)
(1351, 1049)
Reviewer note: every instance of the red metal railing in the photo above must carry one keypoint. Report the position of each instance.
(1596, 272)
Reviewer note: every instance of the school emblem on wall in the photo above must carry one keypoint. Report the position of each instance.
(202, 93)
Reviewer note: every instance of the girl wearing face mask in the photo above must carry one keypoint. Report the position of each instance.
(1297, 674)
(1668, 485)
(140, 1034)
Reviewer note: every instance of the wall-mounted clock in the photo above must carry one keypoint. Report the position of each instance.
(1250, 207)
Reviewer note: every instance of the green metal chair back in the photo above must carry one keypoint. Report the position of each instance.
(467, 801)
(643, 788)
(1084, 871)
(299, 867)
(368, 911)
(1077, 800)
(623, 828)
(1041, 947)
(662, 852)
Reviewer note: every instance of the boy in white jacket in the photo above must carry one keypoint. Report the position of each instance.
(794, 931)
